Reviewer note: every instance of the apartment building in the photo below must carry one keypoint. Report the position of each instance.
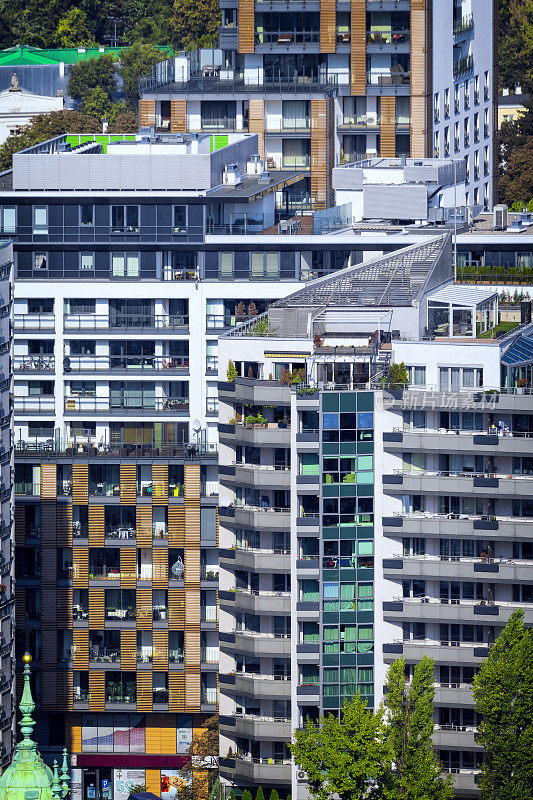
(119, 304)
(325, 82)
(356, 520)
(7, 588)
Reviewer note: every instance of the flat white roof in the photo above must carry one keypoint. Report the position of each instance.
(465, 295)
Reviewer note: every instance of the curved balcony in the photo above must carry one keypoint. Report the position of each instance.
(257, 602)
(268, 518)
(461, 483)
(256, 771)
(269, 435)
(479, 442)
(257, 644)
(458, 568)
(464, 525)
(264, 686)
(432, 609)
(256, 560)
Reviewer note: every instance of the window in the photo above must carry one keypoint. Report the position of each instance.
(40, 261)
(41, 428)
(8, 216)
(125, 265)
(417, 376)
(107, 733)
(40, 219)
(81, 306)
(453, 378)
(179, 219)
(225, 265)
(86, 215)
(87, 261)
(264, 265)
(124, 219)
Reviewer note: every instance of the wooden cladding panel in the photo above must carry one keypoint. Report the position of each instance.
(73, 734)
(419, 90)
(64, 607)
(147, 112)
(176, 609)
(176, 526)
(192, 691)
(49, 695)
(256, 123)
(144, 526)
(80, 567)
(96, 526)
(20, 524)
(160, 737)
(159, 484)
(48, 481)
(358, 47)
(48, 606)
(65, 690)
(96, 608)
(128, 484)
(388, 127)
(80, 642)
(80, 483)
(20, 607)
(246, 26)
(192, 569)
(178, 115)
(176, 691)
(64, 525)
(128, 567)
(160, 650)
(320, 166)
(128, 650)
(192, 482)
(328, 26)
(96, 690)
(144, 691)
(192, 647)
(144, 608)
(160, 568)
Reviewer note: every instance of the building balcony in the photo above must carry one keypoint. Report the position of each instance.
(288, 127)
(255, 560)
(362, 123)
(134, 405)
(127, 364)
(271, 435)
(38, 363)
(256, 392)
(390, 40)
(270, 517)
(454, 652)
(262, 475)
(104, 655)
(180, 274)
(34, 322)
(425, 523)
(257, 602)
(465, 611)
(152, 323)
(257, 644)
(455, 568)
(286, 39)
(260, 728)
(258, 771)
(462, 483)
(463, 28)
(42, 404)
(457, 441)
(387, 78)
(27, 488)
(462, 67)
(252, 685)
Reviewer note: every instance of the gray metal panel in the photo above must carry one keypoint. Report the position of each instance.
(138, 169)
(347, 178)
(395, 202)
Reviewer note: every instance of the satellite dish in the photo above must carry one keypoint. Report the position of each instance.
(196, 425)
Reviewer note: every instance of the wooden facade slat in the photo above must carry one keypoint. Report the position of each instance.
(256, 123)
(64, 524)
(64, 611)
(65, 690)
(176, 609)
(144, 526)
(144, 691)
(178, 115)
(358, 47)
(176, 526)
(192, 691)
(20, 607)
(48, 482)
(80, 645)
(320, 166)
(144, 608)
(73, 734)
(147, 112)
(176, 691)
(160, 650)
(96, 690)
(192, 568)
(128, 484)
(387, 131)
(20, 524)
(159, 484)
(328, 26)
(80, 567)
(96, 608)
(80, 483)
(96, 526)
(160, 568)
(192, 482)
(128, 567)
(246, 26)
(128, 650)
(419, 87)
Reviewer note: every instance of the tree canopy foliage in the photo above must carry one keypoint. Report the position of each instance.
(503, 692)
(386, 754)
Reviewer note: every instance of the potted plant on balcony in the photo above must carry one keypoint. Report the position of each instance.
(521, 385)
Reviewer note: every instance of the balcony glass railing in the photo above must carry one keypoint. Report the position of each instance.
(210, 655)
(80, 695)
(34, 322)
(78, 322)
(176, 656)
(388, 78)
(38, 363)
(27, 488)
(147, 363)
(124, 614)
(144, 655)
(209, 696)
(105, 655)
(287, 37)
(209, 614)
(160, 696)
(388, 37)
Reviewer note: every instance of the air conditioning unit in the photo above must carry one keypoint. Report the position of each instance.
(500, 218)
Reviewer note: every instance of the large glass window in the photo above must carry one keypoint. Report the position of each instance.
(264, 265)
(40, 219)
(86, 215)
(8, 217)
(124, 219)
(225, 265)
(125, 265)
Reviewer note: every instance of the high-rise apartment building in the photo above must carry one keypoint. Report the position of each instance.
(7, 588)
(325, 82)
(358, 522)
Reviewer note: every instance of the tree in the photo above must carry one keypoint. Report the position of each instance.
(503, 693)
(398, 376)
(273, 795)
(515, 50)
(122, 120)
(97, 103)
(516, 181)
(73, 30)
(135, 62)
(231, 372)
(259, 794)
(409, 726)
(88, 75)
(349, 757)
(200, 773)
(195, 23)
(45, 126)
(247, 795)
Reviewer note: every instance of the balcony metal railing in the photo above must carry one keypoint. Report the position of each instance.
(28, 488)
(176, 656)
(80, 695)
(209, 695)
(209, 613)
(145, 655)
(286, 126)
(38, 404)
(211, 406)
(124, 614)
(388, 37)
(287, 37)
(34, 322)
(211, 364)
(138, 405)
(180, 274)
(36, 363)
(388, 78)
(148, 363)
(105, 655)
(463, 25)
(77, 322)
(463, 66)
(210, 655)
